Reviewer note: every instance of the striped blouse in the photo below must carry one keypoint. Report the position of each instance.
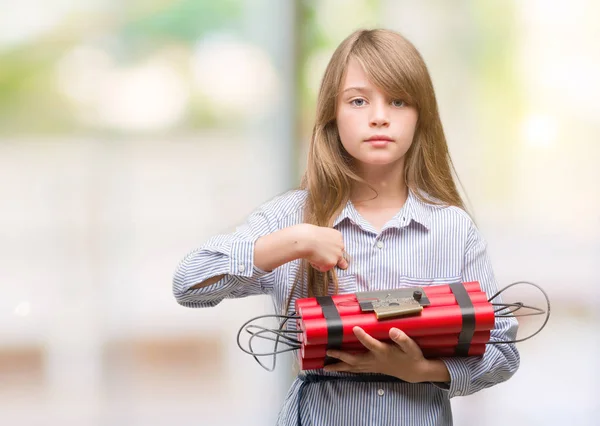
(422, 245)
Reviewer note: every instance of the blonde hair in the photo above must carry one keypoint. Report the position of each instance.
(394, 65)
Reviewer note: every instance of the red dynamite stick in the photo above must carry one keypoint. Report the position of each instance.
(470, 287)
(318, 363)
(431, 321)
(425, 342)
(348, 307)
(351, 307)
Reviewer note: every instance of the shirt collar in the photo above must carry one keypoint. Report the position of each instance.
(414, 210)
(349, 212)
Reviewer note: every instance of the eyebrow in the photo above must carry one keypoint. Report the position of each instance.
(357, 88)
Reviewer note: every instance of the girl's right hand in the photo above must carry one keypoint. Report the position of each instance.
(323, 247)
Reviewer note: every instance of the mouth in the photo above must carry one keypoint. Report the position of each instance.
(379, 141)
(379, 138)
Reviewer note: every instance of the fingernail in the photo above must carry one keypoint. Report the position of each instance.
(394, 333)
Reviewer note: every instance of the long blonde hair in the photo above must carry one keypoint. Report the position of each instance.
(393, 64)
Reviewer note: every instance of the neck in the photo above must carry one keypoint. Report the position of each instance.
(387, 181)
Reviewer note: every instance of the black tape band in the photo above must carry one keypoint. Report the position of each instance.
(335, 329)
(468, 319)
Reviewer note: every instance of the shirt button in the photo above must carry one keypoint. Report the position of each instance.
(241, 268)
(458, 393)
(380, 392)
(379, 244)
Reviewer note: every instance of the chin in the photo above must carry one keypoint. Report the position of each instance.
(380, 160)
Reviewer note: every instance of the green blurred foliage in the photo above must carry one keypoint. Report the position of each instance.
(30, 102)
(184, 21)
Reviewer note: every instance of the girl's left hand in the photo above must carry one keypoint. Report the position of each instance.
(402, 359)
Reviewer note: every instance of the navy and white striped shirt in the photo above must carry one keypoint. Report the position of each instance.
(422, 245)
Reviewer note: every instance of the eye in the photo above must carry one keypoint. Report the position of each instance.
(358, 102)
(398, 103)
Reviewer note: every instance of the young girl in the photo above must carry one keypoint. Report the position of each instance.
(377, 209)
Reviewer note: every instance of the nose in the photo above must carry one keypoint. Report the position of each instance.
(379, 115)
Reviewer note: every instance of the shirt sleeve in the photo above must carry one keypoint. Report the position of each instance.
(231, 255)
(499, 362)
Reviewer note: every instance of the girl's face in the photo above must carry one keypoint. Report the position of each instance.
(374, 129)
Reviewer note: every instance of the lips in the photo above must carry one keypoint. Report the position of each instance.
(379, 141)
(380, 138)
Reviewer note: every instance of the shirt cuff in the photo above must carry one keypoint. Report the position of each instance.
(241, 258)
(460, 377)
(240, 265)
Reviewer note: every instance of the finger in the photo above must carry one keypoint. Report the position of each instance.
(321, 268)
(345, 357)
(327, 267)
(342, 263)
(317, 267)
(339, 367)
(367, 341)
(403, 341)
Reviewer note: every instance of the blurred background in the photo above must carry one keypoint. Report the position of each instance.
(130, 132)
